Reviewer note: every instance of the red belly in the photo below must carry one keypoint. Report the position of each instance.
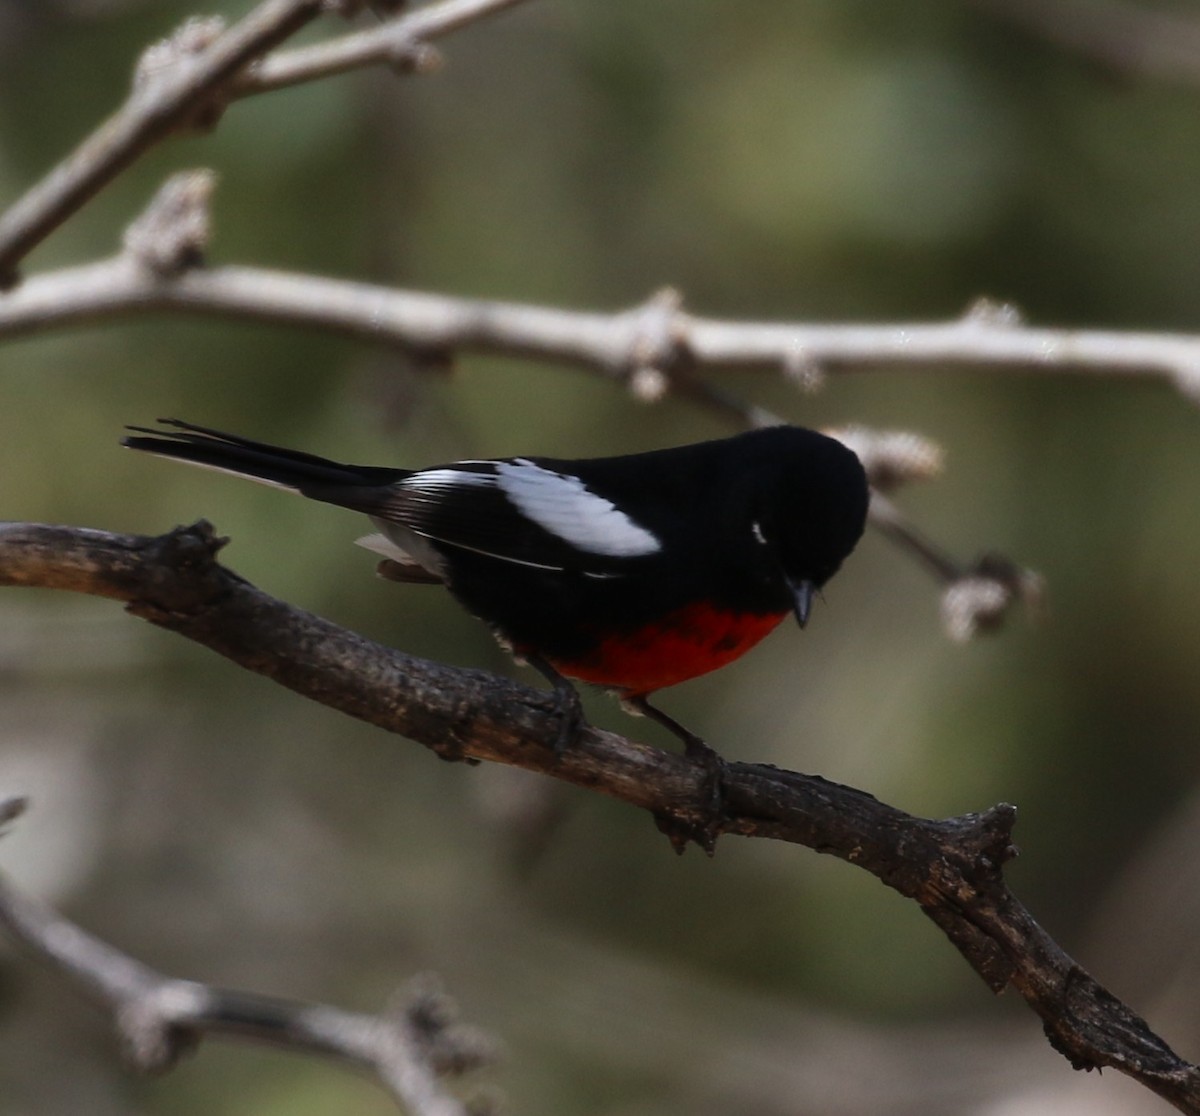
(682, 645)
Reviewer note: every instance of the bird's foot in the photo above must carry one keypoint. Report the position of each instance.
(705, 825)
(571, 720)
(567, 704)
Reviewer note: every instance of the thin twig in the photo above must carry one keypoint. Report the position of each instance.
(198, 74)
(397, 43)
(951, 867)
(160, 1019)
(151, 112)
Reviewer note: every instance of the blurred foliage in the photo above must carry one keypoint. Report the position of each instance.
(812, 161)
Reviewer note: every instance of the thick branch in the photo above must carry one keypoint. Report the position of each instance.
(160, 1018)
(950, 867)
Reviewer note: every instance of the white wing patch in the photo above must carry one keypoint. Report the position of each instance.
(565, 507)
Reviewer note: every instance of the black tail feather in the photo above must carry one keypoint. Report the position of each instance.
(308, 474)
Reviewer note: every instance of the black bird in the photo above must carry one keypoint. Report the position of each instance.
(633, 573)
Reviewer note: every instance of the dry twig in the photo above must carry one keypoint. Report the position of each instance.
(165, 98)
(185, 81)
(159, 1019)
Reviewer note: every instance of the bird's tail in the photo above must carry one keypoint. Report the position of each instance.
(305, 473)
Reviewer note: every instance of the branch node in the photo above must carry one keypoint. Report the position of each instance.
(161, 60)
(994, 830)
(658, 350)
(431, 1018)
(177, 562)
(412, 56)
(892, 457)
(801, 368)
(152, 1039)
(171, 234)
(980, 599)
(1186, 377)
(993, 313)
(648, 384)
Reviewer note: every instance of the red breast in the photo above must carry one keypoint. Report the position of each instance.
(694, 640)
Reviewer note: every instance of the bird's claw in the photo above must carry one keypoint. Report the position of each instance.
(704, 825)
(571, 721)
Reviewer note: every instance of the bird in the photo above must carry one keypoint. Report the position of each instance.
(632, 573)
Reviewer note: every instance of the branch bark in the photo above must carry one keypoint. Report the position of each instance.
(952, 867)
(401, 43)
(185, 81)
(616, 345)
(151, 112)
(159, 1019)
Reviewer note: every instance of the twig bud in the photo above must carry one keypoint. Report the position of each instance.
(892, 457)
(980, 599)
(648, 384)
(993, 312)
(195, 35)
(801, 368)
(172, 233)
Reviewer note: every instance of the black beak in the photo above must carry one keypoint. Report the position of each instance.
(802, 598)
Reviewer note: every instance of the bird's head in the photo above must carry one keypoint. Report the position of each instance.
(814, 511)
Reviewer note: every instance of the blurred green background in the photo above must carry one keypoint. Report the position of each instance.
(812, 161)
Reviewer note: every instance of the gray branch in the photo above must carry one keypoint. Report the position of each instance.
(159, 1018)
(156, 106)
(613, 344)
(401, 43)
(185, 81)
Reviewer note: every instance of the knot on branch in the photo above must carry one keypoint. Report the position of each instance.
(172, 233)
(407, 55)
(161, 61)
(152, 1039)
(986, 840)
(431, 1020)
(891, 457)
(801, 368)
(979, 599)
(658, 350)
(182, 577)
(993, 313)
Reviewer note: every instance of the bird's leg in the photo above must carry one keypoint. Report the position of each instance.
(639, 705)
(708, 758)
(566, 701)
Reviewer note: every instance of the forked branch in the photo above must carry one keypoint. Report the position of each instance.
(159, 1019)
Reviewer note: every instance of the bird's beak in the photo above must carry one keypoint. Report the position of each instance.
(802, 598)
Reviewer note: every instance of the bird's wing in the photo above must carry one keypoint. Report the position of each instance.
(518, 511)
